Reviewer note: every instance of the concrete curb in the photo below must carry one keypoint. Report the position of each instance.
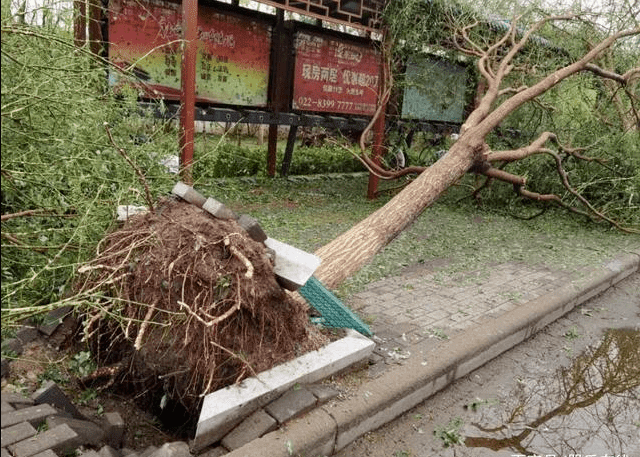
(327, 430)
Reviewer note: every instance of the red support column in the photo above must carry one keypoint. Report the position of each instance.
(80, 22)
(378, 148)
(188, 79)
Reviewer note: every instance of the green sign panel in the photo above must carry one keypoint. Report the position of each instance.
(434, 91)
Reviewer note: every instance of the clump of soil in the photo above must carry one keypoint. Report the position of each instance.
(184, 304)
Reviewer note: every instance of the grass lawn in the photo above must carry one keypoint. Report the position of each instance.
(308, 212)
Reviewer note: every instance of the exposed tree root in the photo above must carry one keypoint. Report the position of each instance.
(189, 304)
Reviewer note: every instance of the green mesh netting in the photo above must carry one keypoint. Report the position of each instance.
(334, 313)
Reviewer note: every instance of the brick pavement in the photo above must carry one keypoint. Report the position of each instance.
(424, 302)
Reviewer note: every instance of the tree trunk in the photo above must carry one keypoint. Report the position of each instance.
(353, 249)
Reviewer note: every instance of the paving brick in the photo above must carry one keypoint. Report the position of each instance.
(127, 452)
(14, 345)
(51, 394)
(16, 400)
(54, 319)
(47, 453)
(27, 334)
(6, 407)
(4, 372)
(251, 428)
(189, 194)
(16, 433)
(108, 451)
(174, 449)
(218, 209)
(149, 451)
(291, 404)
(60, 439)
(89, 453)
(90, 434)
(233, 403)
(323, 392)
(35, 415)
(252, 227)
(113, 426)
(217, 451)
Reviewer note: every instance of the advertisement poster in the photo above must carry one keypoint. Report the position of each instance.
(335, 76)
(232, 64)
(435, 91)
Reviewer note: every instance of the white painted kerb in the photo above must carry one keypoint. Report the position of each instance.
(232, 403)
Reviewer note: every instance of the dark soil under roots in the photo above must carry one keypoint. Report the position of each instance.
(183, 304)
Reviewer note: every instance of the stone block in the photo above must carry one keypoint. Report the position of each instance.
(231, 404)
(27, 334)
(323, 392)
(14, 345)
(149, 451)
(113, 426)
(6, 407)
(51, 394)
(5, 453)
(60, 439)
(291, 404)
(89, 433)
(293, 267)
(127, 452)
(174, 449)
(189, 194)
(217, 209)
(217, 451)
(47, 453)
(252, 227)
(54, 319)
(124, 212)
(16, 400)
(4, 372)
(249, 429)
(35, 415)
(108, 451)
(16, 433)
(89, 453)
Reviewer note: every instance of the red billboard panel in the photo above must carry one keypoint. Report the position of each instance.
(334, 75)
(232, 65)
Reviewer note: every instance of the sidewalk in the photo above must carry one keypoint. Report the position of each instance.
(431, 329)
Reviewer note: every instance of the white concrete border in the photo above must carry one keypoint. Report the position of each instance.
(225, 408)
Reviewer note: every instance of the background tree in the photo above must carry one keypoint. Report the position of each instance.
(62, 177)
(520, 67)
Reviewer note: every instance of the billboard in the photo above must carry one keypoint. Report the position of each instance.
(435, 91)
(232, 65)
(335, 75)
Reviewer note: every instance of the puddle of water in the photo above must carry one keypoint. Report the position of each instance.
(589, 408)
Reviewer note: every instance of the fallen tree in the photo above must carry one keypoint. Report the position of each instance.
(495, 61)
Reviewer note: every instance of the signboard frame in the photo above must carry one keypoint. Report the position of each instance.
(344, 76)
(209, 63)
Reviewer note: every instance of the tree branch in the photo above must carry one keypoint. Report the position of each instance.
(622, 79)
(143, 180)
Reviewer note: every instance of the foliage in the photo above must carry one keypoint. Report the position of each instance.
(57, 163)
(449, 434)
(227, 159)
(595, 115)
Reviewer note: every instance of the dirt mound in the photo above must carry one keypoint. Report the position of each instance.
(186, 304)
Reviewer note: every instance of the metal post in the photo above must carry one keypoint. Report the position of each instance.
(80, 22)
(378, 140)
(188, 79)
(288, 152)
(276, 95)
(378, 128)
(95, 31)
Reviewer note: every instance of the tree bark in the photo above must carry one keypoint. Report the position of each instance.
(353, 249)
